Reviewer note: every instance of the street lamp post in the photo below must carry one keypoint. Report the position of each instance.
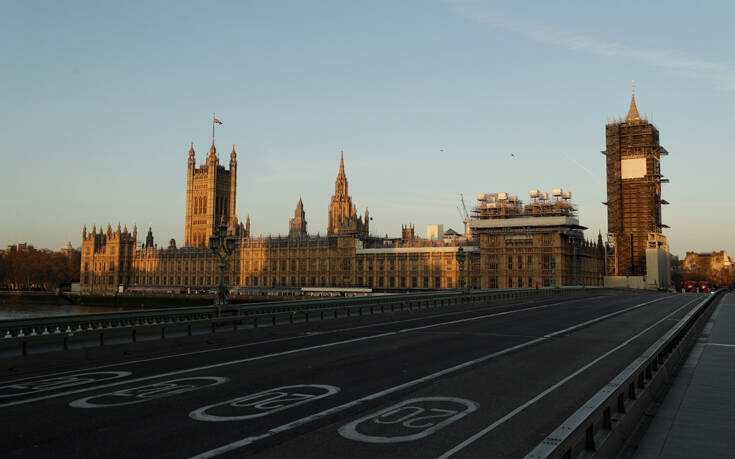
(461, 257)
(222, 246)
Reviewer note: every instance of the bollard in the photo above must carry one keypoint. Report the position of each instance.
(188, 329)
(102, 339)
(134, 335)
(163, 332)
(66, 343)
(24, 347)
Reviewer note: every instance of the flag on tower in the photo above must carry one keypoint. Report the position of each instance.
(217, 121)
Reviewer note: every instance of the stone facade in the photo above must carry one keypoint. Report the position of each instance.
(347, 257)
(210, 197)
(343, 218)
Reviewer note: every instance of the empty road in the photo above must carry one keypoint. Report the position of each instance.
(487, 381)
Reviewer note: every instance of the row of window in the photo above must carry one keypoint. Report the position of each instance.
(517, 262)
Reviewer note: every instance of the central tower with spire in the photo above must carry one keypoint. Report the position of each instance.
(210, 196)
(343, 217)
(633, 191)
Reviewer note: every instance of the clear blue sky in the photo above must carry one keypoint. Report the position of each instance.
(99, 101)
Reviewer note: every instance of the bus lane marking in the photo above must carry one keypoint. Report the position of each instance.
(148, 392)
(409, 420)
(263, 403)
(45, 384)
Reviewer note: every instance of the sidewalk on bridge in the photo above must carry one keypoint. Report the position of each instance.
(696, 417)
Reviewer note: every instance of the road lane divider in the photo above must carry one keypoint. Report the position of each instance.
(407, 385)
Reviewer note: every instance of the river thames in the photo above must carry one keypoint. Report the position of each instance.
(26, 310)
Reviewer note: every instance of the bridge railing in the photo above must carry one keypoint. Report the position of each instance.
(58, 332)
(603, 424)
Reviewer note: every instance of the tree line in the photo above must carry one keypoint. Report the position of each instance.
(32, 269)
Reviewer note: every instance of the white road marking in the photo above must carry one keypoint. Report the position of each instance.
(555, 386)
(294, 351)
(203, 367)
(305, 420)
(45, 384)
(290, 338)
(266, 402)
(720, 344)
(149, 392)
(415, 419)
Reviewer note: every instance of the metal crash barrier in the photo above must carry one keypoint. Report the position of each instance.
(49, 334)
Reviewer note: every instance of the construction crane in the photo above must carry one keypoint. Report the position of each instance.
(463, 214)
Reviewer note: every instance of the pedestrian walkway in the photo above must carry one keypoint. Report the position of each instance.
(697, 417)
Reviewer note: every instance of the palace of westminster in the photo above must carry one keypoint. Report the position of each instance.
(507, 243)
(554, 253)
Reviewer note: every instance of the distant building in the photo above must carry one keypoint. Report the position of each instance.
(67, 250)
(18, 247)
(538, 244)
(708, 262)
(346, 257)
(434, 232)
(297, 225)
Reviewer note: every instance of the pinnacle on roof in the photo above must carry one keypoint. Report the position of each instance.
(633, 115)
(233, 155)
(342, 162)
(191, 150)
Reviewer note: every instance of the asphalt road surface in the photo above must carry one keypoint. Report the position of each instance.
(489, 381)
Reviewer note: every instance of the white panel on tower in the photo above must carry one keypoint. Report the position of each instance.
(633, 168)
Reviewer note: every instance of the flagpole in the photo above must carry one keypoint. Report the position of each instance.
(213, 116)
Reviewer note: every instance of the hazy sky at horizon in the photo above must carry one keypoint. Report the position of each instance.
(428, 100)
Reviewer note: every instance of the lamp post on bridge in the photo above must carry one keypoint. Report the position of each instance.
(222, 246)
(461, 257)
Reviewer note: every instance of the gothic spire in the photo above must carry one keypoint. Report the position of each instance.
(342, 162)
(191, 150)
(633, 115)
